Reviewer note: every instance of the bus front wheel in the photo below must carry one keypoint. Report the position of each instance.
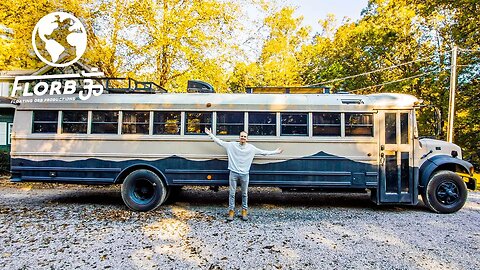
(445, 193)
(143, 190)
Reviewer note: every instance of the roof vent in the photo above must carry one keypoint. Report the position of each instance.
(352, 101)
(194, 86)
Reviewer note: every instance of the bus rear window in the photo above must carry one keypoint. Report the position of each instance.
(196, 122)
(45, 121)
(230, 123)
(74, 121)
(135, 122)
(359, 124)
(166, 123)
(262, 123)
(105, 122)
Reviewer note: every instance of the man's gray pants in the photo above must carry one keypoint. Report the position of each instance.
(233, 178)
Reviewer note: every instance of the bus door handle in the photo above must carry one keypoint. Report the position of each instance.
(382, 159)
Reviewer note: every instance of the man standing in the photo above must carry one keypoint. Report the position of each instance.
(240, 157)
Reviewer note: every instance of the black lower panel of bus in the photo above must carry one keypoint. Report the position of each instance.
(321, 170)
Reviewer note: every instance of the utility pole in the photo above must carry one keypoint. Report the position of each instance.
(451, 100)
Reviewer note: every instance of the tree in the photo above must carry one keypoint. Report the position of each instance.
(279, 60)
(16, 32)
(244, 75)
(456, 22)
(166, 41)
(171, 40)
(107, 23)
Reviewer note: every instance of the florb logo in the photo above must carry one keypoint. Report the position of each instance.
(59, 40)
(58, 34)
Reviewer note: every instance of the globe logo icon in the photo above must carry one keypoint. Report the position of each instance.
(59, 36)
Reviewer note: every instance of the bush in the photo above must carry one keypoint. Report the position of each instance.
(4, 163)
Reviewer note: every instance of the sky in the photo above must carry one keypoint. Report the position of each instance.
(314, 10)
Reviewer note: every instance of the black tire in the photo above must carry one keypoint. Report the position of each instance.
(445, 193)
(143, 190)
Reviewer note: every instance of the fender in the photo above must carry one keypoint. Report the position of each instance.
(445, 162)
(137, 166)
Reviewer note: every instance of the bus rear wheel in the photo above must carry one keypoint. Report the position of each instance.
(143, 190)
(445, 193)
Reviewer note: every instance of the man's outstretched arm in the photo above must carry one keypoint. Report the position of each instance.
(267, 153)
(215, 139)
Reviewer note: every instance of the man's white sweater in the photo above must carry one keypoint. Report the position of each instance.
(240, 156)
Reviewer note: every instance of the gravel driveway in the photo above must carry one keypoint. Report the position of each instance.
(46, 226)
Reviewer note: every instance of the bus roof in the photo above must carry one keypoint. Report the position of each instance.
(216, 101)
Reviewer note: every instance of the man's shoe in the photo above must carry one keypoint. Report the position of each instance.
(244, 215)
(231, 214)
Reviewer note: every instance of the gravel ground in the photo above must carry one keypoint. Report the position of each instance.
(46, 226)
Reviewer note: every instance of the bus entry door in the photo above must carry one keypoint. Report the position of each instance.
(396, 157)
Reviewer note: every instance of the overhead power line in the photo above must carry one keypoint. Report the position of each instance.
(470, 65)
(374, 71)
(390, 82)
(469, 50)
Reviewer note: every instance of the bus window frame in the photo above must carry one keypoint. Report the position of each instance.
(307, 124)
(242, 124)
(275, 125)
(135, 123)
(103, 133)
(357, 112)
(205, 124)
(341, 124)
(56, 122)
(73, 122)
(179, 123)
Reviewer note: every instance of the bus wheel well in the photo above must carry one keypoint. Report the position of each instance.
(450, 167)
(121, 177)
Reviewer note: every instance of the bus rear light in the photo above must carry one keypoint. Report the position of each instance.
(209, 177)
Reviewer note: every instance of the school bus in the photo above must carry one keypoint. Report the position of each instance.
(153, 144)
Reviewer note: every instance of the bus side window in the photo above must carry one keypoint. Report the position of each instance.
(326, 124)
(359, 124)
(230, 123)
(196, 122)
(74, 121)
(135, 122)
(262, 123)
(294, 124)
(165, 123)
(45, 121)
(105, 122)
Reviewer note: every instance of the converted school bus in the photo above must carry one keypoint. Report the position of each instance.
(153, 144)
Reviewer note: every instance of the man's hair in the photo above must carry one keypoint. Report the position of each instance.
(243, 131)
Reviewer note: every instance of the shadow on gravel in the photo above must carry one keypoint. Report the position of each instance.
(100, 197)
(274, 198)
(258, 198)
(265, 198)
